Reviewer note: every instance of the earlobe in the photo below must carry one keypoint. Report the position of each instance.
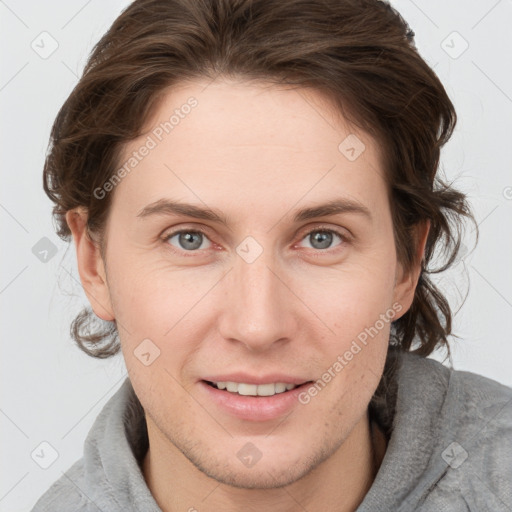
(406, 282)
(90, 265)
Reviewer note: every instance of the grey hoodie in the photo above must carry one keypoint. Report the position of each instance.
(449, 448)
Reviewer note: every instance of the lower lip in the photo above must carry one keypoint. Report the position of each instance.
(254, 408)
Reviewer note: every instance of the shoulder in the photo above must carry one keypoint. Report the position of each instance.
(478, 395)
(477, 442)
(476, 413)
(484, 406)
(484, 422)
(468, 418)
(65, 494)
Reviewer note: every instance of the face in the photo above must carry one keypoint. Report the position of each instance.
(263, 289)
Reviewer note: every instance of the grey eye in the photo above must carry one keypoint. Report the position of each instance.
(188, 240)
(321, 239)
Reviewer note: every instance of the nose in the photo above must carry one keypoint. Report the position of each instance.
(258, 306)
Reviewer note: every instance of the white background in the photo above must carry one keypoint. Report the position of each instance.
(51, 391)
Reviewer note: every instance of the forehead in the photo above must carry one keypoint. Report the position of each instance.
(254, 143)
(237, 112)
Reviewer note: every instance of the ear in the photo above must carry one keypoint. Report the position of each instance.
(90, 264)
(406, 282)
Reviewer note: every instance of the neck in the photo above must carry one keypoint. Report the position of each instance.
(339, 483)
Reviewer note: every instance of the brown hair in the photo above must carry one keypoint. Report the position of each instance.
(359, 53)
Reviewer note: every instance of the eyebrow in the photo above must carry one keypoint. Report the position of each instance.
(333, 207)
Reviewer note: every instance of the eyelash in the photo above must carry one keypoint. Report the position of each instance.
(343, 236)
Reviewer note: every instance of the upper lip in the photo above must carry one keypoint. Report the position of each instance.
(252, 379)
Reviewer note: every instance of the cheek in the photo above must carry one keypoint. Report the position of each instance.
(359, 313)
(351, 299)
(149, 296)
(161, 312)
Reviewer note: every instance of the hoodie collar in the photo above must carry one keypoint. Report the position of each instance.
(416, 413)
(113, 454)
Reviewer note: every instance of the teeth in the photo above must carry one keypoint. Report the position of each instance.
(254, 389)
(247, 389)
(280, 387)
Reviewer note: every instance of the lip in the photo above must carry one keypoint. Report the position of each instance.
(250, 379)
(254, 408)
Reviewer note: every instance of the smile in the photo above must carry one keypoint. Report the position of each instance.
(245, 389)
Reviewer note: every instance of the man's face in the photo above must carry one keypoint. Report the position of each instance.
(266, 297)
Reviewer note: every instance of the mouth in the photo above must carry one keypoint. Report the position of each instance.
(253, 402)
(255, 390)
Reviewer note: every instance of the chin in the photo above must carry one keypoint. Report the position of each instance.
(261, 478)
(269, 472)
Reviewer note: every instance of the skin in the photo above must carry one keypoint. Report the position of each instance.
(256, 154)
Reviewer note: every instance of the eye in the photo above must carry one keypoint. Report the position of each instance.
(322, 239)
(187, 239)
(193, 240)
